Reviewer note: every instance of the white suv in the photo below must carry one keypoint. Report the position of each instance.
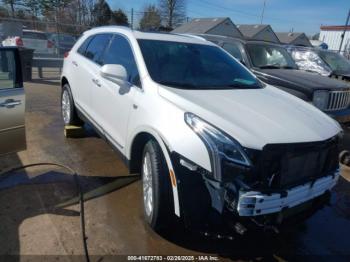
(214, 144)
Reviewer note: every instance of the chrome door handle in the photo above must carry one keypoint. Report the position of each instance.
(10, 103)
(96, 82)
(74, 63)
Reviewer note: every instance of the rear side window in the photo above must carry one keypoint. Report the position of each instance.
(34, 35)
(233, 50)
(84, 45)
(96, 47)
(7, 69)
(120, 53)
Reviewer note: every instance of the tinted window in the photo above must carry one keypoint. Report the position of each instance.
(97, 47)
(7, 69)
(270, 56)
(194, 66)
(34, 35)
(233, 49)
(82, 48)
(120, 53)
(335, 61)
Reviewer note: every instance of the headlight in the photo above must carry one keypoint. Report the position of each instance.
(220, 146)
(320, 99)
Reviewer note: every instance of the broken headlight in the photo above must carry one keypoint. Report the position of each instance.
(220, 146)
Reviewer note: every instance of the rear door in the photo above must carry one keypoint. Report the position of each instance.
(12, 102)
(86, 65)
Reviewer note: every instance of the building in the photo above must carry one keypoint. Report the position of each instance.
(215, 26)
(292, 38)
(258, 32)
(331, 35)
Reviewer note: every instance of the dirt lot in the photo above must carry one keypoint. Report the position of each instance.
(35, 218)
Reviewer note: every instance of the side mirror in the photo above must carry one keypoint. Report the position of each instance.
(114, 73)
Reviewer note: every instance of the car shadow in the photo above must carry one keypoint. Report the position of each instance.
(26, 195)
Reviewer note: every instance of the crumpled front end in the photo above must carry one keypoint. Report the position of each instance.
(284, 179)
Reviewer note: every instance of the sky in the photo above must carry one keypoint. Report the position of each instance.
(283, 15)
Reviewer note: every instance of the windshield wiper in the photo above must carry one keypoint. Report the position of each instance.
(269, 67)
(288, 67)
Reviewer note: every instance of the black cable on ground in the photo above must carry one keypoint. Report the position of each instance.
(81, 196)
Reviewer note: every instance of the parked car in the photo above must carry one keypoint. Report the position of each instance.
(273, 64)
(323, 62)
(12, 102)
(212, 142)
(62, 42)
(31, 39)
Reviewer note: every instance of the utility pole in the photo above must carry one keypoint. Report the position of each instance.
(344, 32)
(132, 18)
(262, 13)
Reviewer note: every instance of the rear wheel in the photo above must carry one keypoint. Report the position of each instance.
(158, 206)
(69, 114)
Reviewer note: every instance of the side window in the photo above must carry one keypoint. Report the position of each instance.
(7, 69)
(233, 50)
(82, 48)
(97, 47)
(120, 53)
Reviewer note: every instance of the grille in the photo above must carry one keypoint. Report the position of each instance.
(338, 100)
(285, 165)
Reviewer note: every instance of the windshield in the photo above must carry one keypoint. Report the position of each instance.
(335, 61)
(270, 56)
(194, 66)
(308, 60)
(34, 35)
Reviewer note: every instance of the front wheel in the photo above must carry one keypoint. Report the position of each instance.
(158, 206)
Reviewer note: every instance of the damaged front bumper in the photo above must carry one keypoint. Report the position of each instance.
(207, 203)
(254, 203)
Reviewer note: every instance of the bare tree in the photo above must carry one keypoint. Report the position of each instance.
(151, 19)
(12, 4)
(173, 12)
(32, 7)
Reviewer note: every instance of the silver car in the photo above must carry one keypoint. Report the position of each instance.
(12, 102)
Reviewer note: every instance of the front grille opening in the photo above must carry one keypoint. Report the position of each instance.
(286, 165)
(338, 100)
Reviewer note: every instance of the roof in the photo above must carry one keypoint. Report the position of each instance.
(170, 37)
(251, 30)
(236, 39)
(200, 25)
(288, 38)
(335, 27)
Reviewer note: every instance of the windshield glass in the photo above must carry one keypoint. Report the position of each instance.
(270, 56)
(34, 35)
(194, 66)
(335, 61)
(308, 60)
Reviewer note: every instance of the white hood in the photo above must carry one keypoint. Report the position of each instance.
(256, 117)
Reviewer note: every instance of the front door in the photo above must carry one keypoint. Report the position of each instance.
(113, 102)
(12, 102)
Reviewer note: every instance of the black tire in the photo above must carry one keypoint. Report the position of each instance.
(73, 118)
(163, 207)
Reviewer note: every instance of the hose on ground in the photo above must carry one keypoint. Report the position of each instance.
(81, 196)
